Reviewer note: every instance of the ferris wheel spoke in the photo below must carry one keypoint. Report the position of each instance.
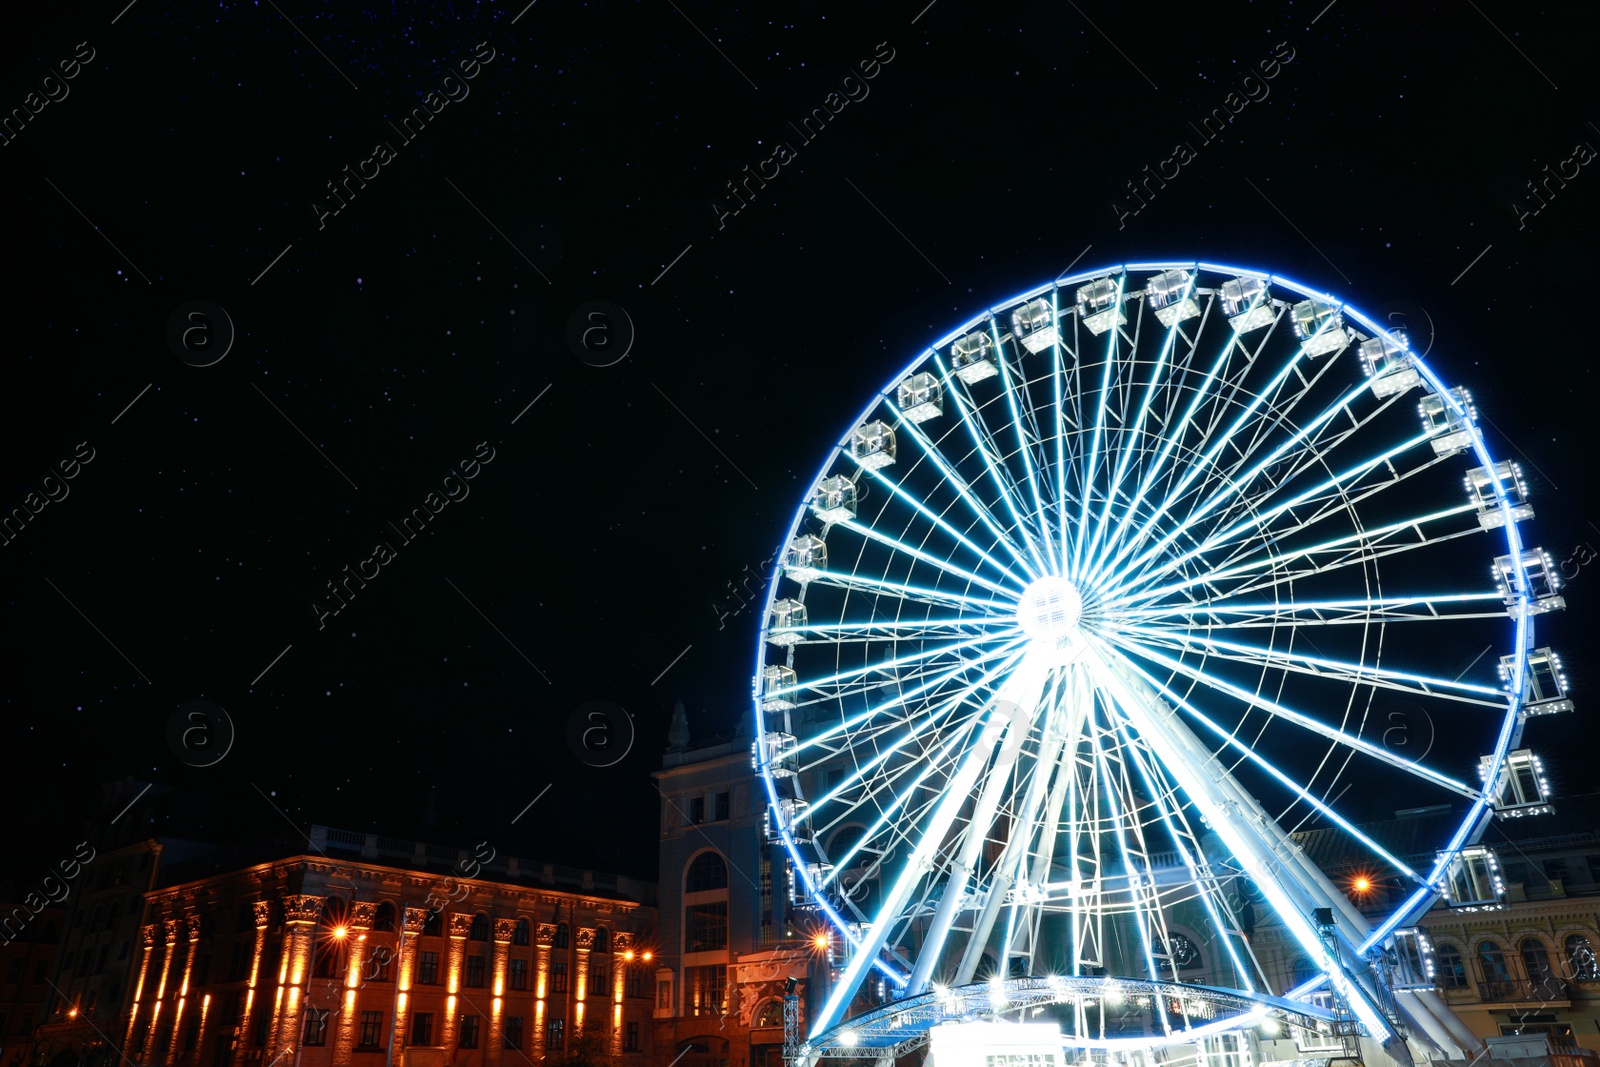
(1355, 674)
(1301, 456)
(1179, 829)
(821, 686)
(1057, 379)
(1359, 547)
(1129, 440)
(985, 448)
(967, 494)
(1229, 739)
(910, 593)
(1353, 611)
(1024, 445)
(1335, 484)
(1087, 480)
(1310, 723)
(931, 560)
(944, 674)
(950, 531)
(894, 629)
(1208, 459)
(1176, 430)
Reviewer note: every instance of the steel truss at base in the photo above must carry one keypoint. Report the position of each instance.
(896, 1029)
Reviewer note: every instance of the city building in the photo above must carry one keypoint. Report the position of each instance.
(730, 938)
(1515, 955)
(368, 950)
(30, 940)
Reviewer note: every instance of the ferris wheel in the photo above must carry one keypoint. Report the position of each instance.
(1108, 593)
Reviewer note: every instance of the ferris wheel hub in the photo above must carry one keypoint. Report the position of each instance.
(1049, 609)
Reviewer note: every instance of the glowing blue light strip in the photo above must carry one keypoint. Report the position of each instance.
(1022, 439)
(1259, 521)
(926, 557)
(1094, 441)
(843, 580)
(965, 492)
(1268, 564)
(1307, 722)
(1283, 779)
(1000, 483)
(1277, 607)
(923, 510)
(1269, 657)
(1133, 430)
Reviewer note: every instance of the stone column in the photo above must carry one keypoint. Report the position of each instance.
(460, 927)
(263, 916)
(301, 912)
(580, 981)
(405, 970)
(541, 989)
(191, 930)
(504, 931)
(147, 938)
(170, 933)
(357, 927)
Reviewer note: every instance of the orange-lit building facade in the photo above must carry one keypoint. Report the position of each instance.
(314, 961)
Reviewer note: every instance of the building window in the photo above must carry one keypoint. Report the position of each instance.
(664, 996)
(202, 966)
(378, 964)
(258, 1036)
(555, 1034)
(706, 927)
(238, 962)
(602, 940)
(383, 919)
(1580, 954)
(707, 871)
(475, 969)
(630, 1037)
(769, 1014)
(469, 1032)
(563, 935)
(520, 937)
(422, 1028)
(719, 807)
(434, 925)
(599, 977)
(635, 982)
(558, 976)
(316, 1028)
(705, 990)
(371, 1029)
(122, 950)
(697, 810)
(519, 974)
(480, 928)
(1451, 968)
(513, 1033)
(428, 969)
(1496, 975)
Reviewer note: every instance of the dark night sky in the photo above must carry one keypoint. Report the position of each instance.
(1387, 156)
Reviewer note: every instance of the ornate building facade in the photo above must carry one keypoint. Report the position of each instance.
(341, 959)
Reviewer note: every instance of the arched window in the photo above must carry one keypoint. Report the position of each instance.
(563, 935)
(1536, 959)
(1496, 975)
(707, 871)
(1580, 954)
(1185, 953)
(480, 927)
(1304, 971)
(383, 918)
(770, 1013)
(1452, 969)
(602, 940)
(520, 937)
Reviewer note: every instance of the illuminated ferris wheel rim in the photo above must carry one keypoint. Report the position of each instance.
(1510, 726)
